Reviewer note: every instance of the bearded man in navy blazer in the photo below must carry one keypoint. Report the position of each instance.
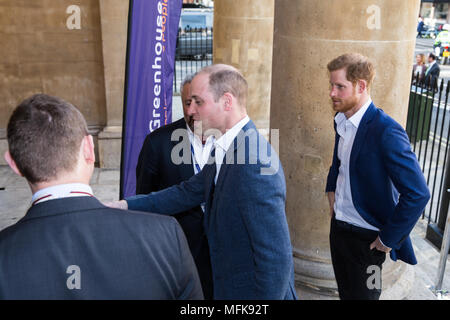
(375, 186)
(69, 245)
(244, 190)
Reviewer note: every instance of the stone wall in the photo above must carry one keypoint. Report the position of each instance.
(47, 49)
(40, 54)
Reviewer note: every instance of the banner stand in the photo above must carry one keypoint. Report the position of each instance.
(152, 35)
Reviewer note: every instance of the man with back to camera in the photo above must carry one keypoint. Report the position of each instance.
(157, 170)
(375, 186)
(69, 245)
(245, 221)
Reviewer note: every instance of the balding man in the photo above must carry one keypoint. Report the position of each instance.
(156, 171)
(244, 190)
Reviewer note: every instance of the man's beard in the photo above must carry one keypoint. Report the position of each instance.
(344, 104)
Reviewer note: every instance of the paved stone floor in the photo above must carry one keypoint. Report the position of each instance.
(15, 200)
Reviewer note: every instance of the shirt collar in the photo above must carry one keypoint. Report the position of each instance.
(225, 140)
(63, 191)
(356, 118)
(193, 137)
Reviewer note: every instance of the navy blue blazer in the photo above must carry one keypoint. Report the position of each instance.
(388, 188)
(119, 254)
(245, 221)
(155, 171)
(433, 73)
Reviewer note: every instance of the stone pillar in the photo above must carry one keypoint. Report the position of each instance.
(448, 14)
(114, 23)
(309, 34)
(243, 37)
(432, 14)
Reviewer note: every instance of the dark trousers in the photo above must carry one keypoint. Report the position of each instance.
(357, 268)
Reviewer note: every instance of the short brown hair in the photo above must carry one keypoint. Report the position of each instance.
(225, 78)
(44, 137)
(358, 67)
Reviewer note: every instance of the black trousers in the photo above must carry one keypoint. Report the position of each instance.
(357, 268)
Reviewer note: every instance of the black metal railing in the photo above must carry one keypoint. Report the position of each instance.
(429, 133)
(194, 51)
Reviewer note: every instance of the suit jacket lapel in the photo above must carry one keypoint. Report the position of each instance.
(361, 133)
(214, 190)
(232, 153)
(210, 173)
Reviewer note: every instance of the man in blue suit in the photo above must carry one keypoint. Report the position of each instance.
(375, 186)
(156, 171)
(433, 70)
(69, 245)
(244, 190)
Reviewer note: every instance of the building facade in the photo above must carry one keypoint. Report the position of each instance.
(78, 52)
(435, 12)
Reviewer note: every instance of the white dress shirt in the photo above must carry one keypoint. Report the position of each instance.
(62, 191)
(201, 152)
(419, 70)
(224, 142)
(343, 205)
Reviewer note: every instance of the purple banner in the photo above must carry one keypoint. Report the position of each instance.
(152, 35)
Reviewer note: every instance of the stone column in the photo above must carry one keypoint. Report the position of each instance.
(243, 37)
(309, 34)
(114, 23)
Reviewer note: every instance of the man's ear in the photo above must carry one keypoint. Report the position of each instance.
(228, 101)
(88, 149)
(12, 163)
(362, 86)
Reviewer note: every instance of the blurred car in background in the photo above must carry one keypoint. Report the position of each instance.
(195, 34)
(428, 32)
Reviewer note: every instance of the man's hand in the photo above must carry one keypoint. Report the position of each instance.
(120, 204)
(331, 202)
(379, 246)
